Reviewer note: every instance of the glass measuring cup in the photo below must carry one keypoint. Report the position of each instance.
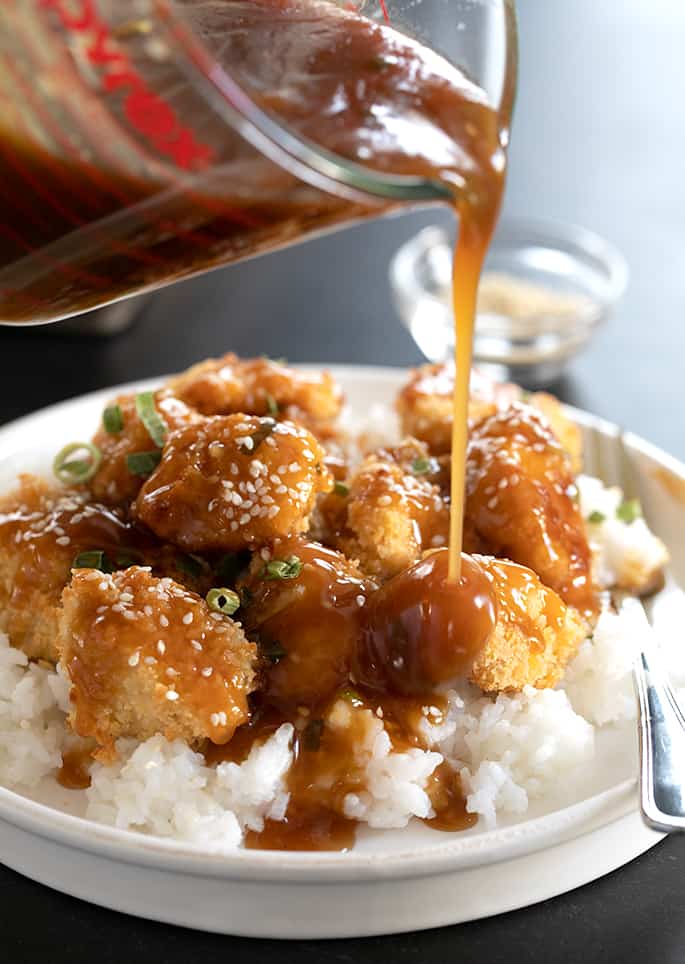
(139, 145)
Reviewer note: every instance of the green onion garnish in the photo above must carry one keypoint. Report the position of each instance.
(150, 417)
(629, 511)
(272, 650)
(311, 736)
(223, 601)
(272, 406)
(93, 559)
(341, 489)
(422, 466)
(112, 419)
(98, 559)
(289, 568)
(266, 427)
(596, 517)
(74, 471)
(143, 463)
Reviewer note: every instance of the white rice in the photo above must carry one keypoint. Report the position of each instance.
(509, 751)
(624, 554)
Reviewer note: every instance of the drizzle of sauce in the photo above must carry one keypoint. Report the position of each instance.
(74, 774)
(421, 629)
(313, 620)
(449, 803)
(328, 765)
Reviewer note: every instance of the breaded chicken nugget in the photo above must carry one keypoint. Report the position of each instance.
(521, 502)
(233, 482)
(535, 635)
(390, 510)
(259, 386)
(42, 532)
(304, 602)
(146, 656)
(425, 408)
(123, 434)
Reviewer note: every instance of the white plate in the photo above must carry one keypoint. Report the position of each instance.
(393, 880)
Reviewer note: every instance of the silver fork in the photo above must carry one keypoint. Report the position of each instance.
(661, 724)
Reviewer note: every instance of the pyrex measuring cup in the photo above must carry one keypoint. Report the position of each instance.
(134, 149)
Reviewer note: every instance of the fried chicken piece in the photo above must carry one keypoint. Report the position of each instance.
(425, 403)
(535, 636)
(233, 482)
(306, 618)
(497, 625)
(425, 408)
(146, 656)
(259, 386)
(520, 503)
(391, 512)
(566, 431)
(42, 530)
(115, 482)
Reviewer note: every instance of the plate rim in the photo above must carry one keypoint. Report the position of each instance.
(458, 852)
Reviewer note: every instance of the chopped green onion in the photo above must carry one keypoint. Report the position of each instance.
(422, 466)
(311, 736)
(223, 601)
(150, 417)
(341, 489)
(266, 427)
(192, 565)
(272, 405)
(112, 419)
(289, 568)
(98, 559)
(629, 511)
(272, 650)
(143, 463)
(352, 696)
(596, 517)
(75, 471)
(93, 559)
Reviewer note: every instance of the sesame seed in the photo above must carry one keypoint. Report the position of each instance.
(161, 647)
(384, 500)
(187, 619)
(171, 695)
(63, 541)
(360, 600)
(150, 661)
(134, 658)
(198, 646)
(207, 671)
(163, 621)
(171, 671)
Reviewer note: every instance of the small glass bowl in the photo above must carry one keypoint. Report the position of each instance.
(545, 288)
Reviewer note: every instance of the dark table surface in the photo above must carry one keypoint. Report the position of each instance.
(599, 139)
